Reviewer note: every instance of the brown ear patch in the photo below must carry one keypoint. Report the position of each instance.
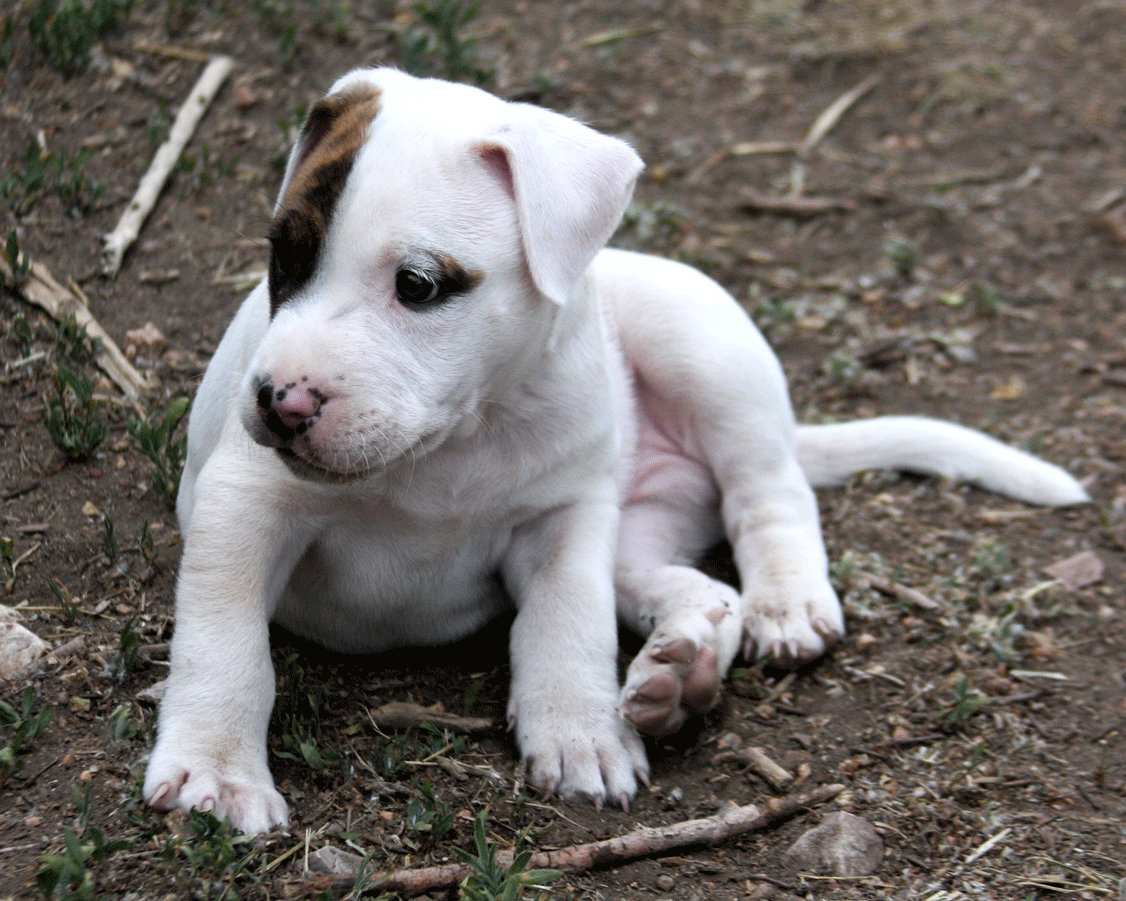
(330, 139)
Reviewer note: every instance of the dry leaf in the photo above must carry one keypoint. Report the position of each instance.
(1084, 568)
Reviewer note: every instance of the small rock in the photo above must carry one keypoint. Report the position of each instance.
(673, 798)
(665, 882)
(8, 615)
(19, 646)
(152, 695)
(334, 861)
(843, 845)
(147, 339)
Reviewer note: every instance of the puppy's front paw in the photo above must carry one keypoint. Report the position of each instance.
(792, 623)
(579, 751)
(245, 796)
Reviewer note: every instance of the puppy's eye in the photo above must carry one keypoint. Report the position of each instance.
(416, 288)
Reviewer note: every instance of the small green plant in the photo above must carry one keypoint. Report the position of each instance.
(65, 30)
(7, 41)
(281, 17)
(985, 298)
(109, 539)
(26, 724)
(23, 333)
(441, 35)
(650, 224)
(158, 124)
(72, 419)
(49, 173)
(8, 556)
(491, 880)
(73, 342)
(122, 725)
(215, 861)
(965, 705)
(156, 434)
(428, 815)
(297, 713)
(68, 604)
(427, 741)
(67, 876)
(146, 545)
(904, 256)
(128, 650)
(991, 562)
(19, 266)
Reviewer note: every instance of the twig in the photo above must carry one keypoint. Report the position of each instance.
(763, 148)
(644, 842)
(896, 590)
(62, 652)
(833, 113)
(403, 715)
(129, 226)
(41, 289)
(792, 205)
(773, 773)
(185, 53)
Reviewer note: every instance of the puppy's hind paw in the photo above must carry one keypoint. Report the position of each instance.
(791, 633)
(669, 682)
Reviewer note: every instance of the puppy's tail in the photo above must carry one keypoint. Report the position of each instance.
(831, 454)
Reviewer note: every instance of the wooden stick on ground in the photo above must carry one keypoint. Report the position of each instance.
(647, 841)
(129, 226)
(41, 289)
(402, 715)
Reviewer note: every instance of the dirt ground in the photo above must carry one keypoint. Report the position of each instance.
(959, 250)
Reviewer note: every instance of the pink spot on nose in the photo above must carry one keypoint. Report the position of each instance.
(295, 405)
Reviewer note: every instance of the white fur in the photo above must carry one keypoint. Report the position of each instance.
(568, 437)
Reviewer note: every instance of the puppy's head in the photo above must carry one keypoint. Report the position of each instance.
(426, 238)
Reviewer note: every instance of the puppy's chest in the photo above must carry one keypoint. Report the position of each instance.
(387, 582)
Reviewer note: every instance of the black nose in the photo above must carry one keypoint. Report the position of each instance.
(266, 396)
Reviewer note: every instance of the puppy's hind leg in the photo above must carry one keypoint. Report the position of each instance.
(692, 622)
(709, 386)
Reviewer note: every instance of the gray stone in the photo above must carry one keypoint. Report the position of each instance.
(843, 845)
(19, 646)
(332, 860)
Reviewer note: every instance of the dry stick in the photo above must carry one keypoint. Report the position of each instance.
(896, 590)
(833, 113)
(792, 205)
(822, 125)
(41, 289)
(402, 715)
(645, 842)
(129, 226)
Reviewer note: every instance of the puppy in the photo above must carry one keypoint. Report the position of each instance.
(446, 400)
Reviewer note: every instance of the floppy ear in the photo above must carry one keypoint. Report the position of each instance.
(571, 185)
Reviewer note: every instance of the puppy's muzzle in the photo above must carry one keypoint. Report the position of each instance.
(287, 412)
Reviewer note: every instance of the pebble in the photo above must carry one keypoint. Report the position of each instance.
(843, 845)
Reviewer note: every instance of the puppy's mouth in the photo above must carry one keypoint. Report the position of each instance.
(311, 471)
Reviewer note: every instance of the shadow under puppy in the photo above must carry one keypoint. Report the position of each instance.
(447, 400)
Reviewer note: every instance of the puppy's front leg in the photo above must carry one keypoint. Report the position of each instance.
(210, 752)
(564, 648)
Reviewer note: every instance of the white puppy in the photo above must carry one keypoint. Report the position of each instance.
(446, 399)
